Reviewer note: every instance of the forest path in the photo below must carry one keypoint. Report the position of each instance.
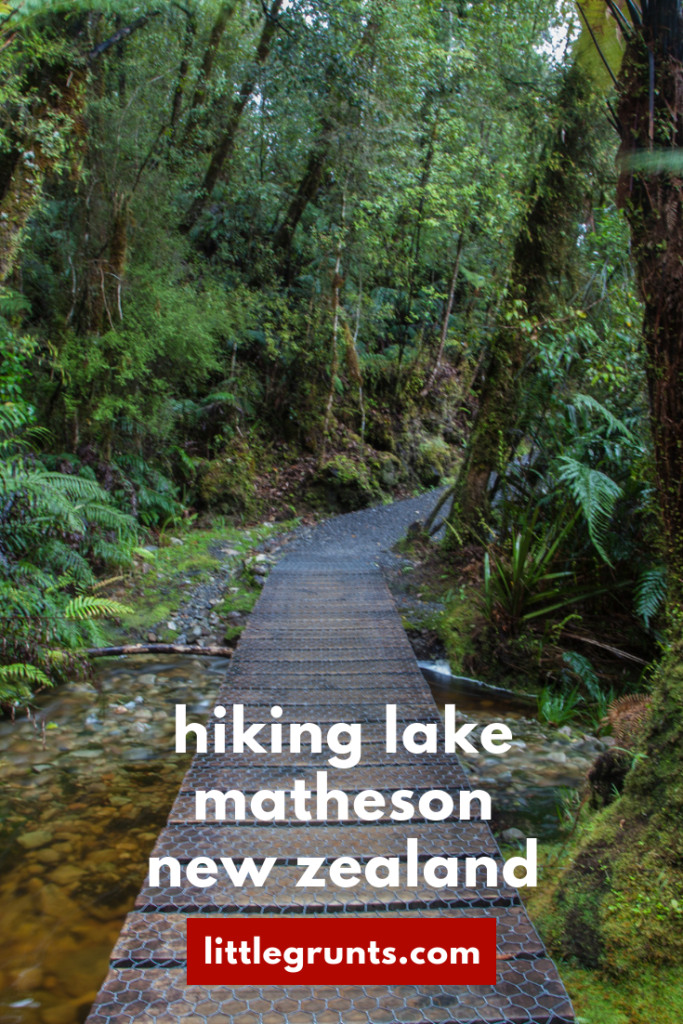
(326, 644)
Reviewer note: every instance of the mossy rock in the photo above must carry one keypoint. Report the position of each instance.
(348, 484)
(233, 633)
(619, 904)
(227, 483)
(381, 432)
(386, 469)
(433, 460)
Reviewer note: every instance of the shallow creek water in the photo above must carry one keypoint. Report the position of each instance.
(524, 782)
(82, 803)
(87, 785)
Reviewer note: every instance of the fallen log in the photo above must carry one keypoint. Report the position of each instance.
(207, 652)
(606, 647)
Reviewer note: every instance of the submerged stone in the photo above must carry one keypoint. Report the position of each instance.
(34, 840)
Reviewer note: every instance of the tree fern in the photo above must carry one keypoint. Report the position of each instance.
(596, 493)
(24, 673)
(101, 514)
(53, 525)
(59, 555)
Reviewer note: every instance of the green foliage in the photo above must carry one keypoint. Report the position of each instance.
(16, 681)
(56, 529)
(166, 349)
(595, 492)
(83, 607)
(558, 709)
(581, 667)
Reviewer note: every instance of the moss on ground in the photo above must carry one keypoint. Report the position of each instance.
(239, 598)
(456, 627)
(157, 589)
(617, 942)
(647, 997)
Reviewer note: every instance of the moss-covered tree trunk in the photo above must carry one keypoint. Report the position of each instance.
(225, 13)
(58, 99)
(542, 252)
(621, 901)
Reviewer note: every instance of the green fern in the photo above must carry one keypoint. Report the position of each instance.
(25, 673)
(17, 680)
(82, 608)
(558, 708)
(616, 425)
(595, 493)
(650, 593)
(60, 556)
(582, 668)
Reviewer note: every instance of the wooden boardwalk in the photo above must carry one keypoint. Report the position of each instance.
(325, 643)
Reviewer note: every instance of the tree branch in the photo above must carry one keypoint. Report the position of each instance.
(119, 36)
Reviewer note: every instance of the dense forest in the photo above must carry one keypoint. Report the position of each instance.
(277, 259)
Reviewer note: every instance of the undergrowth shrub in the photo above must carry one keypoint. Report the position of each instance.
(57, 530)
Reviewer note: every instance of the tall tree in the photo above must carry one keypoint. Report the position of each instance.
(543, 250)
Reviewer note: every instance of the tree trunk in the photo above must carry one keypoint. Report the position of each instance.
(337, 281)
(446, 318)
(188, 41)
(217, 31)
(25, 167)
(307, 190)
(315, 166)
(200, 90)
(226, 141)
(652, 204)
(542, 254)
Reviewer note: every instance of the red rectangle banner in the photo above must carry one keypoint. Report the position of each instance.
(334, 951)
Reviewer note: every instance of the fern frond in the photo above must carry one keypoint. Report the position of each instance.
(112, 553)
(614, 423)
(60, 556)
(596, 493)
(24, 674)
(110, 518)
(650, 593)
(144, 554)
(582, 667)
(106, 583)
(83, 608)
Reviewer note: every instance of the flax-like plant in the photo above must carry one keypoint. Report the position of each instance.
(522, 583)
(558, 709)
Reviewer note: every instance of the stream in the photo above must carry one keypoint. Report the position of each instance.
(87, 785)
